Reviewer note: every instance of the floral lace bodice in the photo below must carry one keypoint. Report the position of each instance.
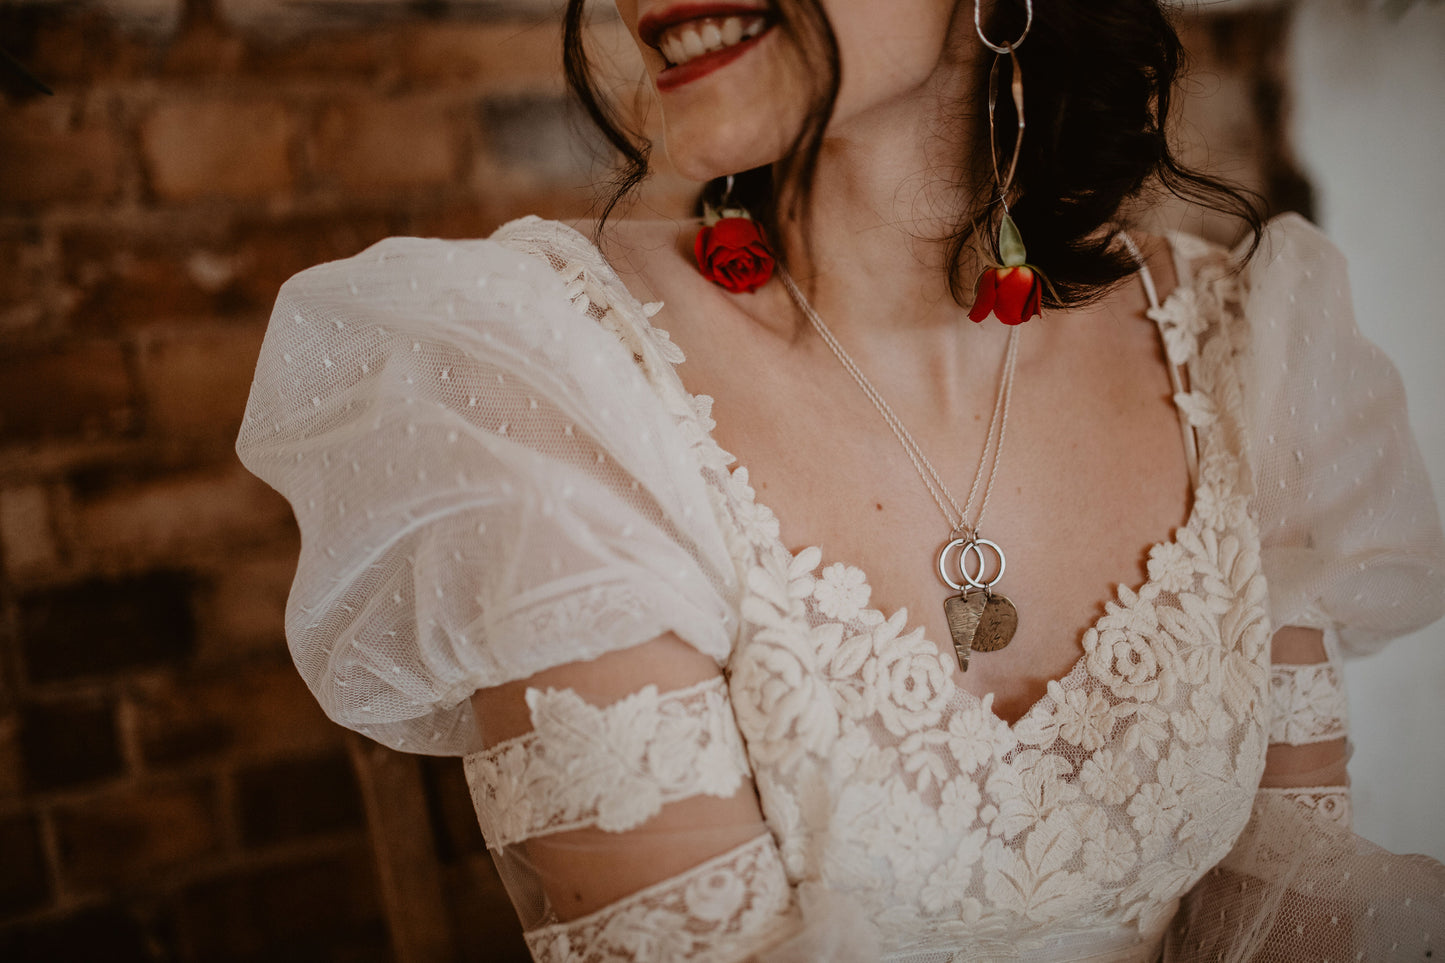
(517, 392)
(1103, 804)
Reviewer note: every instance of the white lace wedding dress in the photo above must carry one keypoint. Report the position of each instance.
(497, 472)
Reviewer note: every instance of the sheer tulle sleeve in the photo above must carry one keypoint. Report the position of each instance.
(486, 487)
(509, 552)
(1352, 547)
(1350, 533)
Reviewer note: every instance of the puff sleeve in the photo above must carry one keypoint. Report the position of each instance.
(485, 483)
(1351, 545)
(1349, 529)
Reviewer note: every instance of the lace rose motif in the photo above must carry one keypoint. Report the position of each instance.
(612, 767)
(1307, 704)
(720, 910)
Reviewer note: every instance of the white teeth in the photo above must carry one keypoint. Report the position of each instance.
(688, 41)
(692, 44)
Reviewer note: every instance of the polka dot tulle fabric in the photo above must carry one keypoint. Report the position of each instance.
(498, 475)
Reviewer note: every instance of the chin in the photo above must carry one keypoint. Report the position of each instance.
(701, 149)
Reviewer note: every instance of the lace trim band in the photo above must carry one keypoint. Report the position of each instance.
(722, 909)
(612, 767)
(1328, 802)
(1307, 704)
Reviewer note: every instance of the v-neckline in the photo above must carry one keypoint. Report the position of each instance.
(688, 407)
(1079, 667)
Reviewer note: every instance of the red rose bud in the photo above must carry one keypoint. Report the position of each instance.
(733, 253)
(1012, 294)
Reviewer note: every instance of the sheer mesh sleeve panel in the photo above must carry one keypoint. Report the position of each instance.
(1348, 523)
(1296, 887)
(621, 813)
(485, 484)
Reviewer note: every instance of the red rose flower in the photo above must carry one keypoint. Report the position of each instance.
(732, 252)
(1012, 294)
(1012, 290)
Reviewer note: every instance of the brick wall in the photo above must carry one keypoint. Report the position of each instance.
(168, 789)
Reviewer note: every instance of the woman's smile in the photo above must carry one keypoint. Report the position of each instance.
(696, 39)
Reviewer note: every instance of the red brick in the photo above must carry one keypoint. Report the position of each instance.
(206, 514)
(196, 385)
(11, 766)
(270, 251)
(326, 909)
(484, 921)
(205, 49)
(245, 610)
(49, 154)
(511, 57)
(141, 278)
(226, 148)
(25, 884)
(379, 146)
(134, 278)
(27, 535)
(245, 712)
(126, 837)
(95, 934)
(339, 55)
(103, 626)
(69, 743)
(451, 219)
(450, 800)
(28, 266)
(66, 47)
(293, 799)
(78, 388)
(539, 136)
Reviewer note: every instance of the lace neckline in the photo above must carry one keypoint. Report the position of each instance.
(662, 364)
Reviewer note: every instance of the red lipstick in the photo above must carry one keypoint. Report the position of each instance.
(652, 25)
(674, 77)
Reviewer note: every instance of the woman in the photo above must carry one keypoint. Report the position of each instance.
(820, 644)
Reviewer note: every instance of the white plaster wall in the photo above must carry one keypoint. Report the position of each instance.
(1369, 126)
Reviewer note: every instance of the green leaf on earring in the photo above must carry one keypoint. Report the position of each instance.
(1011, 244)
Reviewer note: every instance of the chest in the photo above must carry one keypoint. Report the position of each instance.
(1091, 475)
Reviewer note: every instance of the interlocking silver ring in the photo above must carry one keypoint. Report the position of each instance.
(1002, 48)
(943, 564)
(977, 580)
(967, 546)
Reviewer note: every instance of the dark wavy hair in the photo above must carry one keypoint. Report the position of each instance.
(1099, 77)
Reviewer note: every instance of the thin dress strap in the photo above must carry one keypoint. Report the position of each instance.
(1176, 375)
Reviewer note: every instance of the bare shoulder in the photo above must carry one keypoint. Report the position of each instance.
(654, 259)
(641, 249)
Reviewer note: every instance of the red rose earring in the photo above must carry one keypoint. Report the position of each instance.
(731, 249)
(1011, 291)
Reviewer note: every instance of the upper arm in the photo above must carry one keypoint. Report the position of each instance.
(615, 795)
(1308, 732)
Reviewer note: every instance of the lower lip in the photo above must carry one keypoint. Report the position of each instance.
(674, 77)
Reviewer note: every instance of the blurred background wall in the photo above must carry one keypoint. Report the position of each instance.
(168, 789)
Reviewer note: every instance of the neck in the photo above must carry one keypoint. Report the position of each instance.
(874, 263)
(892, 185)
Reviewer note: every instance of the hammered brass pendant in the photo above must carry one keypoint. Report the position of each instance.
(963, 613)
(979, 622)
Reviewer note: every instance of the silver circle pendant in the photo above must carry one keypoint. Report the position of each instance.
(975, 547)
